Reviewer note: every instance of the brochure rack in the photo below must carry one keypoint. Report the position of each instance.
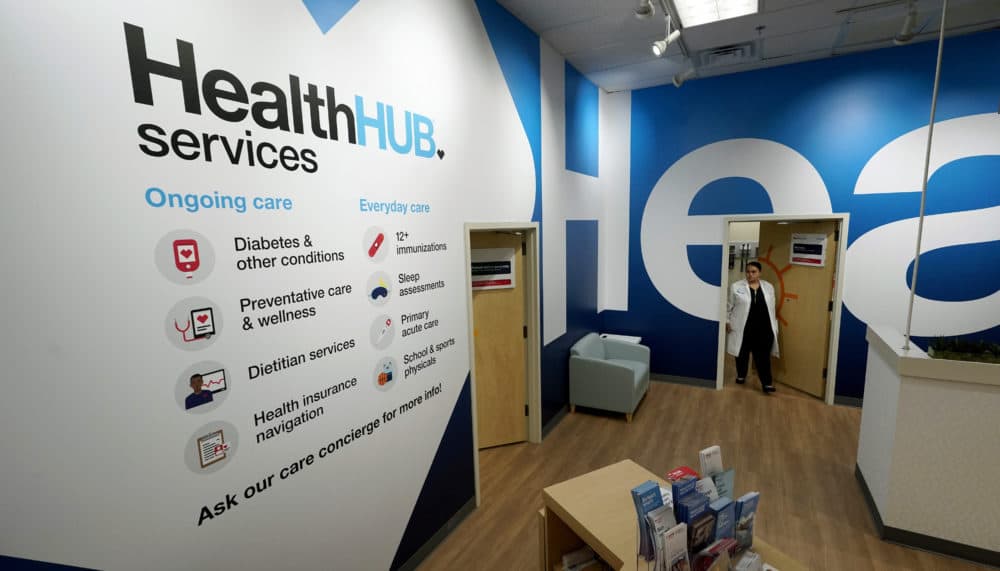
(596, 509)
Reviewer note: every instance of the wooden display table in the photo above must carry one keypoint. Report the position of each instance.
(596, 509)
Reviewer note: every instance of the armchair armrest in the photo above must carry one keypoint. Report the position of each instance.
(615, 349)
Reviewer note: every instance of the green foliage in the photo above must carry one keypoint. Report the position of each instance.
(965, 349)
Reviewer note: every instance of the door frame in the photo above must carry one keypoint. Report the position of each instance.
(533, 352)
(834, 343)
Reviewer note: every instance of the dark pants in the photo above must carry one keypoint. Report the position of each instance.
(760, 346)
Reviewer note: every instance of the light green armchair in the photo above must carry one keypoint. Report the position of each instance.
(608, 374)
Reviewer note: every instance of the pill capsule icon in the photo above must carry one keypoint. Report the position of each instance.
(373, 249)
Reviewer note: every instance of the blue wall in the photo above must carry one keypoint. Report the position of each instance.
(837, 113)
(582, 123)
(518, 53)
(581, 314)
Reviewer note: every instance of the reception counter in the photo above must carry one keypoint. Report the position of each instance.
(929, 449)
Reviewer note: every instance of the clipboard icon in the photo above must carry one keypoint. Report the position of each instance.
(212, 448)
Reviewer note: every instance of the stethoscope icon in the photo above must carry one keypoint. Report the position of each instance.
(184, 331)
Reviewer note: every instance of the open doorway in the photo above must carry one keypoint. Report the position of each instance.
(502, 295)
(803, 258)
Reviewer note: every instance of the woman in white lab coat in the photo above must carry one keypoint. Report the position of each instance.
(751, 326)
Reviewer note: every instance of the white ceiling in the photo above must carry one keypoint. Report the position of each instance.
(608, 44)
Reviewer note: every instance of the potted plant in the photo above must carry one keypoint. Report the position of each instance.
(958, 349)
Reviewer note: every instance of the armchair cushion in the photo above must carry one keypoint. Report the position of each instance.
(638, 368)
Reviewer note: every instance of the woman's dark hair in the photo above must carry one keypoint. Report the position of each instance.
(756, 265)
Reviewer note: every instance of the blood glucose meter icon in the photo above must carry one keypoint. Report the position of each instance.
(186, 258)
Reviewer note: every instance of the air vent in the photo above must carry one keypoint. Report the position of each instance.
(728, 55)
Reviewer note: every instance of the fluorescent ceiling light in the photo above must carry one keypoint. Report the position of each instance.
(698, 12)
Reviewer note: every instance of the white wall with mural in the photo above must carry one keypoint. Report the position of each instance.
(570, 195)
(221, 225)
(843, 135)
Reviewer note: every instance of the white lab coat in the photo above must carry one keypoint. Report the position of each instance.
(738, 310)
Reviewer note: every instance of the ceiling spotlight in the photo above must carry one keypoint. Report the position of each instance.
(909, 24)
(660, 46)
(644, 9)
(683, 76)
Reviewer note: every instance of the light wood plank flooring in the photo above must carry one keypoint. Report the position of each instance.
(798, 452)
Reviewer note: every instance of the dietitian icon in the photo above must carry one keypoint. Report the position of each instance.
(202, 387)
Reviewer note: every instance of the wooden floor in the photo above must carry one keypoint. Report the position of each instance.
(798, 452)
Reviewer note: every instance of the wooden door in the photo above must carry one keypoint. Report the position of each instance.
(803, 297)
(499, 318)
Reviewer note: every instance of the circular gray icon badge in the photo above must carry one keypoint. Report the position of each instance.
(211, 447)
(382, 332)
(202, 387)
(193, 323)
(184, 257)
(375, 244)
(386, 374)
(379, 288)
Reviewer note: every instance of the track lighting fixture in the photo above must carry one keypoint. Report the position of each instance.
(683, 76)
(644, 10)
(660, 46)
(906, 33)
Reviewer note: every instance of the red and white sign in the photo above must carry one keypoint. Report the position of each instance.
(493, 268)
(808, 250)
